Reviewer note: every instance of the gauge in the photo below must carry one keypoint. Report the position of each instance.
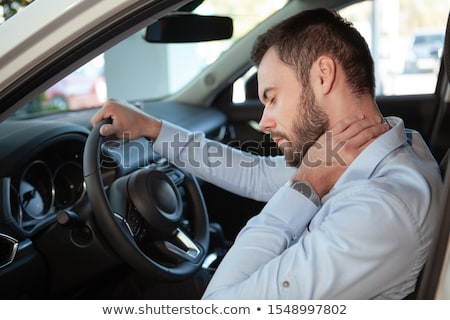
(69, 185)
(36, 190)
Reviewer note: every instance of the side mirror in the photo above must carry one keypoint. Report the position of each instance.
(187, 27)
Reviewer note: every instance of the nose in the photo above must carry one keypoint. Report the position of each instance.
(267, 121)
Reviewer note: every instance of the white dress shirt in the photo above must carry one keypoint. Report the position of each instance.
(369, 239)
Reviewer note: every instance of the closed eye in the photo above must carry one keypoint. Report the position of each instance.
(271, 101)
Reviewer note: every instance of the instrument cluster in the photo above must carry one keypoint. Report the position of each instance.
(50, 181)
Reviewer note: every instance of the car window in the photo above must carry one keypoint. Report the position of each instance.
(406, 39)
(157, 70)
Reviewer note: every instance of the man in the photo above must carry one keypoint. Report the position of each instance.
(353, 213)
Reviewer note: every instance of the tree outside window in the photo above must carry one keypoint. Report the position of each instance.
(8, 8)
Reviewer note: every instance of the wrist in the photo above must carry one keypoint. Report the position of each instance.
(315, 179)
(305, 188)
(152, 128)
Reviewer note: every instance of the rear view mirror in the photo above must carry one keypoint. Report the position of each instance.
(187, 27)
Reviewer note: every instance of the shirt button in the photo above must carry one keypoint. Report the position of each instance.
(286, 284)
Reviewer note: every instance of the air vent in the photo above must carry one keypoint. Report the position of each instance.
(8, 249)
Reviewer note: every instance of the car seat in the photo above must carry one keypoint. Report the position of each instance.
(432, 274)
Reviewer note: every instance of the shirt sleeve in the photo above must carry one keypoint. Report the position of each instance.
(357, 247)
(231, 169)
(251, 263)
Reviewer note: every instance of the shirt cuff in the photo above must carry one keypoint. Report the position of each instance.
(292, 208)
(170, 140)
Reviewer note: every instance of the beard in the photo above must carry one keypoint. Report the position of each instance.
(309, 124)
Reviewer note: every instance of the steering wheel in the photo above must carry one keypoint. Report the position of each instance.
(142, 215)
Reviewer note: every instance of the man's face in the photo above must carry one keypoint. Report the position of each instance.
(291, 115)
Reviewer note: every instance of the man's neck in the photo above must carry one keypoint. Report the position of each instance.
(347, 107)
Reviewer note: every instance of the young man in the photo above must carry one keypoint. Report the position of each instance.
(352, 224)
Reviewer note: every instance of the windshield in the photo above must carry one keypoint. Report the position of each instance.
(163, 69)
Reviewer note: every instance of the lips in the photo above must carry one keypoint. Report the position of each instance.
(277, 140)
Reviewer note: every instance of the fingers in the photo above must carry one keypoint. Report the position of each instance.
(104, 113)
(106, 130)
(359, 130)
(367, 135)
(351, 126)
(355, 136)
(127, 121)
(347, 122)
(111, 109)
(337, 148)
(350, 136)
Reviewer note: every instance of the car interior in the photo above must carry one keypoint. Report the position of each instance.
(62, 186)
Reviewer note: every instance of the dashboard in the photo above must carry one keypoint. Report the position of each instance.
(41, 176)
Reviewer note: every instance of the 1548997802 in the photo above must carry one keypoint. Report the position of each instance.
(307, 309)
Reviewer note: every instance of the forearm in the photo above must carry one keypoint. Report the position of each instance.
(229, 168)
(253, 261)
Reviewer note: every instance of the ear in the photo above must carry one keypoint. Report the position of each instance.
(324, 74)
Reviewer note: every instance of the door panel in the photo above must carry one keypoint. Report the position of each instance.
(243, 120)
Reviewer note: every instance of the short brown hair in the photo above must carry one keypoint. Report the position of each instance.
(301, 39)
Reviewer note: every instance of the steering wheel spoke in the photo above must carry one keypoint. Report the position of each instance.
(118, 197)
(123, 223)
(177, 176)
(183, 246)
